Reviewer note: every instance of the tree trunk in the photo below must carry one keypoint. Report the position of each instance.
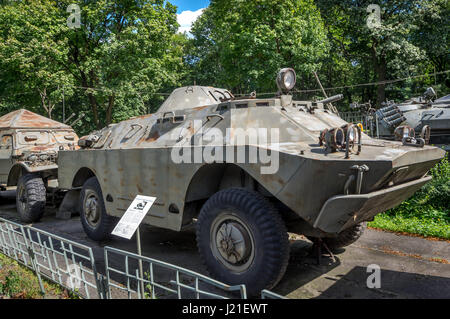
(44, 98)
(93, 103)
(380, 66)
(381, 90)
(109, 110)
(92, 100)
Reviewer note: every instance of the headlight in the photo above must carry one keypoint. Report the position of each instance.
(286, 79)
(339, 137)
(32, 158)
(334, 139)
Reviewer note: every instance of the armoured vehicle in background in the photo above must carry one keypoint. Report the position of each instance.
(307, 172)
(29, 149)
(427, 117)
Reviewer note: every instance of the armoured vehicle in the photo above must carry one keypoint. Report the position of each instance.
(428, 117)
(245, 171)
(29, 149)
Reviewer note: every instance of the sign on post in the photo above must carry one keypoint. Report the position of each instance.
(133, 217)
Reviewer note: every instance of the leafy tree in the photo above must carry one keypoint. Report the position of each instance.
(127, 56)
(387, 50)
(432, 34)
(29, 46)
(123, 53)
(242, 44)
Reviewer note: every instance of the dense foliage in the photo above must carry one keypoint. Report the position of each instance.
(408, 35)
(126, 56)
(242, 44)
(123, 52)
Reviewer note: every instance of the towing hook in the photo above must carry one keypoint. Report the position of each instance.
(360, 174)
(362, 168)
(411, 141)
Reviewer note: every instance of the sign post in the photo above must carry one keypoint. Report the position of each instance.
(130, 224)
(139, 251)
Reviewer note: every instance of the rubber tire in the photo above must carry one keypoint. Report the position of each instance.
(269, 233)
(36, 198)
(347, 237)
(106, 224)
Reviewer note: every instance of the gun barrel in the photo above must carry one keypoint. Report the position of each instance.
(333, 99)
(390, 113)
(397, 121)
(388, 108)
(393, 117)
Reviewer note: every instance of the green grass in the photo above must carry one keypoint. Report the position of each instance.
(414, 225)
(19, 282)
(427, 213)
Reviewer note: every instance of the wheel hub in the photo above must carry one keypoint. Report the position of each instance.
(22, 196)
(23, 200)
(233, 245)
(91, 210)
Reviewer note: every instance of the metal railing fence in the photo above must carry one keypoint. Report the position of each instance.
(353, 117)
(62, 261)
(72, 266)
(183, 280)
(13, 242)
(267, 294)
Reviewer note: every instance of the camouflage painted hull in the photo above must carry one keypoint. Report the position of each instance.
(136, 157)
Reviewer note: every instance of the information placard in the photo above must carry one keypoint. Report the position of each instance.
(134, 216)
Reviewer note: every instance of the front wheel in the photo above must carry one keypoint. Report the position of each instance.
(243, 240)
(97, 224)
(30, 198)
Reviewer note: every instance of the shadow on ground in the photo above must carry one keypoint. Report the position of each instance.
(394, 284)
(343, 279)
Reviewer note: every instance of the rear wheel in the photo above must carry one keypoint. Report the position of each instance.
(243, 240)
(345, 238)
(97, 224)
(30, 198)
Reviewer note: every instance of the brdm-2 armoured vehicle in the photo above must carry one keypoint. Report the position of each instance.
(246, 171)
(29, 149)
